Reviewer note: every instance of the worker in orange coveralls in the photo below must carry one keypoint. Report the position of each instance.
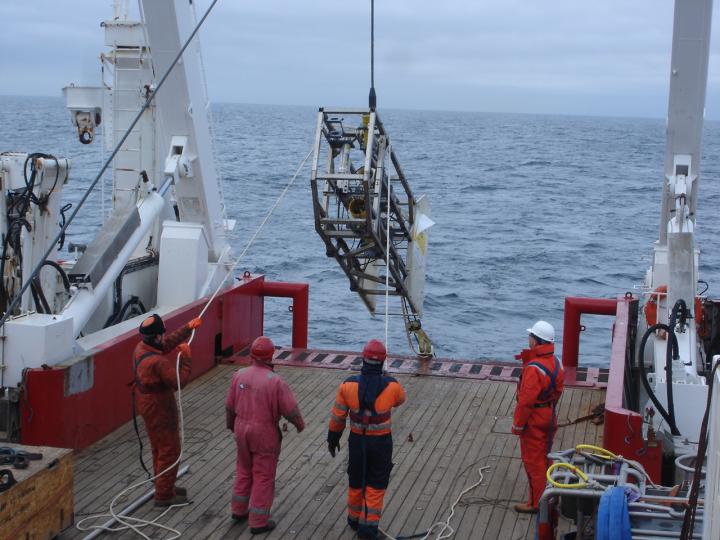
(155, 385)
(540, 387)
(257, 399)
(367, 398)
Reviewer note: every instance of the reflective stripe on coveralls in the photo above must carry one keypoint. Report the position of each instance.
(370, 447)
(256, 400)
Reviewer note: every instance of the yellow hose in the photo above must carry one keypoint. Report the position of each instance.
(577, 472)
(596, 451)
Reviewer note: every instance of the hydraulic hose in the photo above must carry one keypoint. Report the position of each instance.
(672, 351)
(679, 311)
(63, 275)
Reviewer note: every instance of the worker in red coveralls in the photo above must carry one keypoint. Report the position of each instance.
(368, 399)
(540, 387)
(257, 399)
(155, 384)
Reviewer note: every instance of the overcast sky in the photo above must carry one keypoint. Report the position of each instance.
(608, 57)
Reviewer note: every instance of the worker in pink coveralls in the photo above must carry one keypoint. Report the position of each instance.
(257, 399)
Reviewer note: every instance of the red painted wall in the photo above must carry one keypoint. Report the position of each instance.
(49, 417)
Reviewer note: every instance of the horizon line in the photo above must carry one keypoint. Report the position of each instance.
(408, 109)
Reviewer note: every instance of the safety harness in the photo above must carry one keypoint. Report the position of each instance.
(544, 396)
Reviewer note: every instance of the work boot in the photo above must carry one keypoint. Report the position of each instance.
(177, 499)
(353, 523)
(180, 491)
(239, 517)
(269, 526)
(525, 508)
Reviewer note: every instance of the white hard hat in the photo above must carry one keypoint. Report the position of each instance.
(543, 330)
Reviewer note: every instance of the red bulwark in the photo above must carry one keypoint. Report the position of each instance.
(623, 433)
(53, 412)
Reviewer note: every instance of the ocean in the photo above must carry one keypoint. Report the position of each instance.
(529, 209)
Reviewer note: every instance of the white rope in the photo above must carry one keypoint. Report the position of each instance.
(135, 524)
(445, 525)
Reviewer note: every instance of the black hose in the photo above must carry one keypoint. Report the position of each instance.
(137, 432)
(63, 275)
(36, 299)
(120, 316)
(672, 350)
(37, 286)
(678, 316)
(61, 240)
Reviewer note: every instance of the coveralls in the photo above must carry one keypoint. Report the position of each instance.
(257, 399)
(367, 398)
(155, 385)
(540, 387)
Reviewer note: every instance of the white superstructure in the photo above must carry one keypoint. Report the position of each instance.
(164, 243)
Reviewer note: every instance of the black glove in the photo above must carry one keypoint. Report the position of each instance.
(333, 440)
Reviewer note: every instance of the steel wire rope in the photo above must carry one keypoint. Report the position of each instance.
(139, 523)
(91, 187)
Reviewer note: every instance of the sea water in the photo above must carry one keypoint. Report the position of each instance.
(529, 209)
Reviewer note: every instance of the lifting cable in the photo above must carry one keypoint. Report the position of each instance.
(91, 187)
(138, 523)
(372, 98)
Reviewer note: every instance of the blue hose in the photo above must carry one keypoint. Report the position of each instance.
(613, 518)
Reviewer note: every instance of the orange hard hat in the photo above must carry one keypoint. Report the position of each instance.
(375, 350)
(262, 349)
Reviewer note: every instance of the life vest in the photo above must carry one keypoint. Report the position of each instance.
(546, 394)
(651, 308)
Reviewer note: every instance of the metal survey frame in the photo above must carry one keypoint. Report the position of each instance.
(373, 185)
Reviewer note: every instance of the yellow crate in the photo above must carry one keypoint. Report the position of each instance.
(40, 505)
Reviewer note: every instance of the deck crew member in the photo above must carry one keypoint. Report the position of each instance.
(257, 399)
(156, 380)
(368, 399)
(539, 390)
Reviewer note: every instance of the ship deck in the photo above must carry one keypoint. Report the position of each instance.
(447, 429)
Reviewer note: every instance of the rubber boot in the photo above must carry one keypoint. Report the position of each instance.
(177, 499)
(269, 526)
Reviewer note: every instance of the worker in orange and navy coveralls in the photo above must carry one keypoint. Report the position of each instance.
(367, 398)
(257, 399)
(540, 387)
(155, 385)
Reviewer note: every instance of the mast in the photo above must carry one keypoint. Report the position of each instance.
(675, 260)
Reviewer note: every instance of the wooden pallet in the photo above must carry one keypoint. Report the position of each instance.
(457, 426)
(40, 505)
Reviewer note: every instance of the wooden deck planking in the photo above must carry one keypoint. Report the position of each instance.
(457, 425)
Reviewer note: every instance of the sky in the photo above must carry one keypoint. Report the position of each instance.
(609, 58)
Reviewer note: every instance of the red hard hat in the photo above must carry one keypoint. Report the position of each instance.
(375, 350)
(262, 349)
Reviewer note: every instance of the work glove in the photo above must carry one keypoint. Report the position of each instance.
(193, 324)
(184, 349)
(333, 440)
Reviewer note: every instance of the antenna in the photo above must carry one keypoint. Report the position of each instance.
(372, 99)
